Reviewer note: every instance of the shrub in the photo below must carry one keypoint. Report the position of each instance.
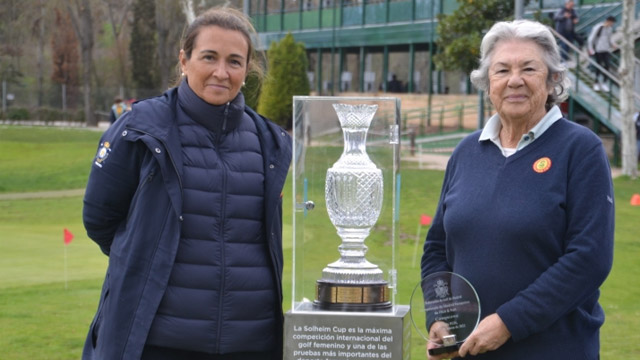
(49, 114)
(286, 77)
(78, 116)
(251, 90)
(18, 114)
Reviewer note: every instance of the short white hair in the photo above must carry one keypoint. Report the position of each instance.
(525, 30)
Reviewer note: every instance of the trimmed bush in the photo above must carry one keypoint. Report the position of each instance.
(286, 77)
(18, 114)
(78, 116)
(49, 114)
(251, 90)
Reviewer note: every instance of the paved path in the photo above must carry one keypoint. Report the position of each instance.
(42, 194)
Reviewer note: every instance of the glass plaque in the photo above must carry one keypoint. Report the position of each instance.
(345, 184)
(445, 309)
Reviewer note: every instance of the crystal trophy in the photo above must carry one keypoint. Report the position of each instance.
(353, 194)
(445, 309)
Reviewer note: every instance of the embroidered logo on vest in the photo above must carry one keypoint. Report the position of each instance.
(103, 153)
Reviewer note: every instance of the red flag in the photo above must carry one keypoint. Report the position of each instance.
(425, 220)
(68, 236)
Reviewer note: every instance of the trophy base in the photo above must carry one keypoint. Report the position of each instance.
(352, 297)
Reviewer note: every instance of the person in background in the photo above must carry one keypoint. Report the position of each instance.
(526, 212)
(184, 197)
(394, 85)
(600, 45)
(118, 108)
(565, 21)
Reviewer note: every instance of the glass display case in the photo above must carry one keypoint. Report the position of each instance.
(345, 194)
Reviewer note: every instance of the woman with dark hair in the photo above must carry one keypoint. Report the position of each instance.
(184, 196)
(526, 211)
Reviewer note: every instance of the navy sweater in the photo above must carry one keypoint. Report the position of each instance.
(533, 233)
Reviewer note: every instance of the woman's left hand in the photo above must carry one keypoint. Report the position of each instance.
(490, 335)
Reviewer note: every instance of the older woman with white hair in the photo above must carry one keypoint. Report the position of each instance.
(526, 212)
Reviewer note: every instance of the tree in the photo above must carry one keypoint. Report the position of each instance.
(80, 15)
(64, 53)
(169, 24)
(12, 40)
(38, 31)
(117, 12)
(188, 10)
(286, 77)
(626, 71)
(143, 47)
(460, 33)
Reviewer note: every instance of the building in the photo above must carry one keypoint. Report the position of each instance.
(361, 45)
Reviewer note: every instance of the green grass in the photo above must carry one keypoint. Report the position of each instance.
(621, 291)
(42, 318)
(37, 158)
(47, 321)
(41, 314)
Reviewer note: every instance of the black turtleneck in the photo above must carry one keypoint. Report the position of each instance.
(212, 117)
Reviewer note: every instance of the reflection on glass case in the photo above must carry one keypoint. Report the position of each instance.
(345, 185)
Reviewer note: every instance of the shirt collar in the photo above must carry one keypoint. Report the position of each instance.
(491, 131)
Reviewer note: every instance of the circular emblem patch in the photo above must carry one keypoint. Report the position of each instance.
(541, 165)
(103, 153)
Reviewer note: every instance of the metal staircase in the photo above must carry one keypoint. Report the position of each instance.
(603, 107)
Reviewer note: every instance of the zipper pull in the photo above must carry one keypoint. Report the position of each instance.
(226, 112)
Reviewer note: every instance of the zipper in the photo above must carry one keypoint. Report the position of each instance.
(223, 209)
(224, 119)
(148, 179)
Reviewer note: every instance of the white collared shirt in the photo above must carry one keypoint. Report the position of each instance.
(491, 131)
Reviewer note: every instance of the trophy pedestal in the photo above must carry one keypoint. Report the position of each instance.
(352, 297)
(311, 334)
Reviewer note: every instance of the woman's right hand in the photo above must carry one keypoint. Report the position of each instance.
(438, 331)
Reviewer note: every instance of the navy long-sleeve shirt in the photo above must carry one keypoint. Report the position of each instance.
(533, 233)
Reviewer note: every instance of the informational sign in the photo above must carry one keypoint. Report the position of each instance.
(322, 335)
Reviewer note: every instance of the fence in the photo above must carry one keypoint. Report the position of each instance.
(57, 102)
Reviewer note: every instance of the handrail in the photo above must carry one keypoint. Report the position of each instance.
(598, 18)
(576, 50)
(583, 58)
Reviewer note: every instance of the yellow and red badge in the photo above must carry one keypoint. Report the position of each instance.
(541, 165)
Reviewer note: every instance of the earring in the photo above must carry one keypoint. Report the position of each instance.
(182, 74)
(244, 83)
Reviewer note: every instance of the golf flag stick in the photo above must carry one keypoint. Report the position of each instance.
(67, 237)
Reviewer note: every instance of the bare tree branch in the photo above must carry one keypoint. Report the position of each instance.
(188, 10)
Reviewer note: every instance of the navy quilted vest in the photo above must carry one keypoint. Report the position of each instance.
(221, 296)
